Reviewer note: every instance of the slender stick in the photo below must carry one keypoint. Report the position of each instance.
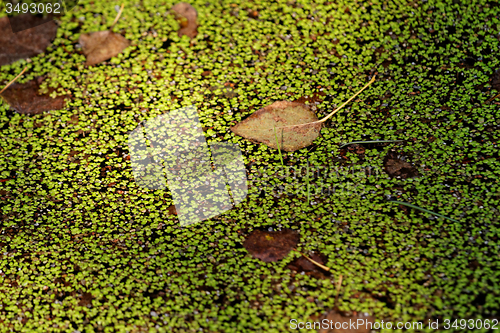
(422, 209)
(313, 261)
(492, 98)
(350, 99)
(308, 195)
(117, 16)
(14, 80)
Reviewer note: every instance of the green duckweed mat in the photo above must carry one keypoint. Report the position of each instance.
(83, 248)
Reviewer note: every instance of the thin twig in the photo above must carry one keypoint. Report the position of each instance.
(14, 80)
(373, 141)
(350, 99)
(117, 17)
(492, 98)
(422, 209)
(313, 261)
(308, 195)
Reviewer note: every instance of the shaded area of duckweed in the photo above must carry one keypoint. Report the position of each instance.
(85, 249)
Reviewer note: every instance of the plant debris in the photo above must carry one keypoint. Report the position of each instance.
(26, 99)
(297, 124)
(271, 246)
(102, 45)
(26, 43)
(312, 265)
(188, 19)
(261, 124)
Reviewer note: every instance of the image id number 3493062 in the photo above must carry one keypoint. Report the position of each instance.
(471, 324)
(34, 8)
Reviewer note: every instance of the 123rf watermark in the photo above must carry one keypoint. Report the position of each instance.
(360, 323)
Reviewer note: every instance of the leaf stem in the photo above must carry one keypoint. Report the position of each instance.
(350, 99)
(14, 80)
(117, 17)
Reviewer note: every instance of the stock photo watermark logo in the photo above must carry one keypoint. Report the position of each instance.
(27, 14)
(171, 151)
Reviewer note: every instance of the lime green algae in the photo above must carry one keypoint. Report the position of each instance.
(83, 248)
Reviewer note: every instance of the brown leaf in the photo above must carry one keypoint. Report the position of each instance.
(25, 98)
(270, 246)
(343, 324)
(395, 166)
(86, 299)
(261, 125)
(172, 210)
(102, 45)
(188, 16)
(26, 43)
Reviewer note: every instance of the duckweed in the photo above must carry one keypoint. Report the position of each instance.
(84, 249)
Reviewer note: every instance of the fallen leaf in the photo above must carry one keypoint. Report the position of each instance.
(395, 166)
(25, 98)
(188, 16)
(263, 123)
(270, 246)
(172, 210)
(85, 299)
(102, 45)
(339, 323)
(26, 43)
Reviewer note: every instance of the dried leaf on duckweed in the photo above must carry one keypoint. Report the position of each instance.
(86, 299)
(26, 43)
(261, 125)
(25, 98)
(270, 246)
(102, 45)
(172, 210)
(395, 166)
(188, 16)
(345, 324)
